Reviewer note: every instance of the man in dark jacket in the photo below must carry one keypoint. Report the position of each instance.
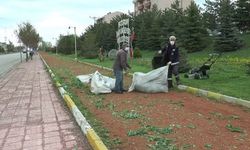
(171, 56)
(120, 64)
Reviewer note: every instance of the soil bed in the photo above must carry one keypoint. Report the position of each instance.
(147, 121)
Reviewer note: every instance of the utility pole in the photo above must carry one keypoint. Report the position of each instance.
(56, 44)
(75, 41)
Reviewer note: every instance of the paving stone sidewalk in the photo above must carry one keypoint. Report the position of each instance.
(32, 114)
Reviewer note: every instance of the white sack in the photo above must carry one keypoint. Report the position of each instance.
(101, 84)
(151, 82)
(85, 78)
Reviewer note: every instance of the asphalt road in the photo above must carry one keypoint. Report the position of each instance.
(8, 61)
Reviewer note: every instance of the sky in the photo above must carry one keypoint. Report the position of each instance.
(53, 17)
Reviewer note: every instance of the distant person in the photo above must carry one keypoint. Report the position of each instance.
(101, 54)
(31, 53)
(171, 56)
(120, 65)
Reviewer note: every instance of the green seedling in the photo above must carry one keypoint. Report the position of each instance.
(98, 102)
(158, 130)
(178, 103)
(187, 146)
(161, 143)
(111, 106)
(233, 129)
(208, 146)
(191, 126)
(130, 114)
(75, 82)
(139, 132)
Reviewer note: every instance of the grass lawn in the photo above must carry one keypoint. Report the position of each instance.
(227, 76)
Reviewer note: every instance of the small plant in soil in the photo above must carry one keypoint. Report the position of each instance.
(233, 117)
(233, 129)
(178, 103)
(208, 146)
(221, 116)
(130, 114)
(191, 126)
(187, 146)
(98, 102)
(161, 143)
(116, 141)
(76, 82)
(111, 106)
(139, 132)
(153, 134)
(158, 130)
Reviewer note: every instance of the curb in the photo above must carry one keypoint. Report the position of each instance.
(213, 95)
(94, 140)
(199, 92)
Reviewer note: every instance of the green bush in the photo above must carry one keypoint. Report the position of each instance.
(89, 54)
(184, 65)
(2, 50)
(137, 53)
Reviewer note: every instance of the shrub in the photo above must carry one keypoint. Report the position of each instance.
(89, 54)
(137, 53)
(2, 50)
(184, 66)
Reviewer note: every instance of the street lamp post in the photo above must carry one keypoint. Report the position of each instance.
(56, 44)
(75, 42)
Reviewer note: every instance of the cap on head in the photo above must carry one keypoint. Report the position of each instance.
(172, 38)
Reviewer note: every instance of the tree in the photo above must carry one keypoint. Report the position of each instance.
(28, 35)
(242, 16)
(10, 47)
(45, 46)
(147, 27)
(141, 35)
(210, 16)
(173, 22)
(226, 39)
(66, 44)
(194, 34)
(90, 47)
(105, 36)
(155, 31)
(2, 50)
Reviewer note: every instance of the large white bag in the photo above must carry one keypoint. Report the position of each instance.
(85, 78)
(151, 82)
(101, 84)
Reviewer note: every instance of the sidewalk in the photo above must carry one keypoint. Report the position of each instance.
(33, 115)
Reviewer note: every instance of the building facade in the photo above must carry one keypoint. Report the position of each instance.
(109, 16)
(143, 5)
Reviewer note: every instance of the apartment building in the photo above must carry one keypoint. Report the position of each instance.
(142, 5)
(109, 16)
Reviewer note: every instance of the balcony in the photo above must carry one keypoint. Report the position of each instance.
(147, 4)
(140, 6)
